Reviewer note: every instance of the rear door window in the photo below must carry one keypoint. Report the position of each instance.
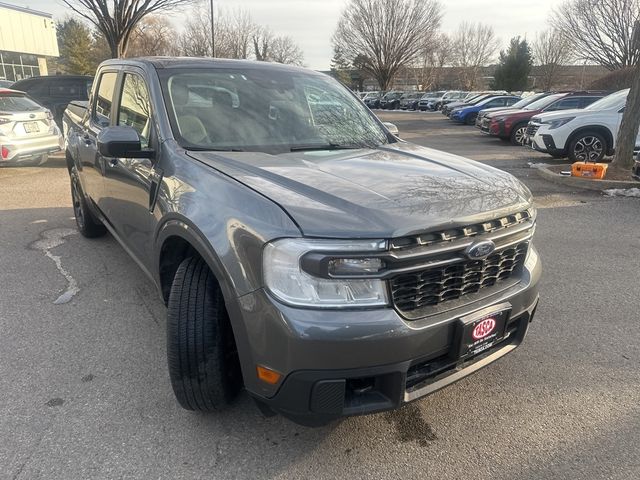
(104, 98)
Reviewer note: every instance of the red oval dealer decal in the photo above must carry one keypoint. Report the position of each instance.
(484, 328)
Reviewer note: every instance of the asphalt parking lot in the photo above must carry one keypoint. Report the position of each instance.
(85, 392)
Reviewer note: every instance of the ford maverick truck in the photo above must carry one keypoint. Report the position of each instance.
(305, 253)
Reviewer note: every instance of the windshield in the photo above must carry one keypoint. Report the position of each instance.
(615, 100)
(17, 103)
(266, 110)
(527, 101)
(544, 102)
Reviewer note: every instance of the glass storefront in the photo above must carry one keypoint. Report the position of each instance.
(16, 66)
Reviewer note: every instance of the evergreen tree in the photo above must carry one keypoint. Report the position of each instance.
(340, 66)
(512, 74)
(75, 42)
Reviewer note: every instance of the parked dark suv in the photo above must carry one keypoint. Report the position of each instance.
(56, 91)
(303, 251)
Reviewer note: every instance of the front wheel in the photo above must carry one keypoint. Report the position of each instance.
(519, 135)
(201, 353)
(88, 225)
(587, 147)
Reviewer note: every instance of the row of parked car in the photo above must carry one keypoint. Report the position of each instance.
(399, 100)
(31, 116)
(580, 125)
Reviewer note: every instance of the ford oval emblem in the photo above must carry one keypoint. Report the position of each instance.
(483, 329)
(32, 115)
(480, 250)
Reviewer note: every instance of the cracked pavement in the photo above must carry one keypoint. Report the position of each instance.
(85, 392)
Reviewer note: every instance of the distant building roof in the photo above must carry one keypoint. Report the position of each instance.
(25, 10)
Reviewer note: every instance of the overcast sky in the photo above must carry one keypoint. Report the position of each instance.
(312, 22)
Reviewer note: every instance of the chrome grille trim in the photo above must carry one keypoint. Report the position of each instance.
(468, 231)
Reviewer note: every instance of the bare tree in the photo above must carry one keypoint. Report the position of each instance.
(285, 50)
(195, 39)
(241, 28)
(631, 117)
(473, 46)
(551, 50)
(262, 40)
(389, 33)
(600, 30)
(154, 35)
(429, 65)
(117, 19)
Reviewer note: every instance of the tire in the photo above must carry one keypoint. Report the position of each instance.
(470, 119)
(588, 146)
(201, 353)
(86, 222)
(518, 134)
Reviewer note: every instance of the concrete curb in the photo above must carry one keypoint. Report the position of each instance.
(577, 182)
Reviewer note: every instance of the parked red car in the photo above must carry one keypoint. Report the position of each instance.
(511, 125)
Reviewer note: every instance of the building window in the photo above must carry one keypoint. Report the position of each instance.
(16, 66)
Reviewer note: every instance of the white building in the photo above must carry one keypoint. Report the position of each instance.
(27, 38)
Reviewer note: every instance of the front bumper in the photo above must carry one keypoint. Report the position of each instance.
(545, 143)
(339, 363)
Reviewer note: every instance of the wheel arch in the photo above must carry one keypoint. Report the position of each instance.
(178, 239)
(601, 129)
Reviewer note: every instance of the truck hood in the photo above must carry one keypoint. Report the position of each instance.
(395, 190)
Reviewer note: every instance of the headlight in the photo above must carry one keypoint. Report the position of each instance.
(558, 122)
(324, 280)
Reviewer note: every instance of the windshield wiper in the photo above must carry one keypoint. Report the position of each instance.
(323, 146)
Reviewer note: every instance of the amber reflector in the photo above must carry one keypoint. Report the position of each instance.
(267, 375)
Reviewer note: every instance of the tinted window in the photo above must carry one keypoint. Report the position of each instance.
(75, 89)
(104, 98)
(498, 102)
(135, 108)
(566, 104)
(17, 103)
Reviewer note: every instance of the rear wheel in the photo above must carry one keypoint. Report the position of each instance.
(519, 134)
(201, 353)
(88, 225)
(587, 147)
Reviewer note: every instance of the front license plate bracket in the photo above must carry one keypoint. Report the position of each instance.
(480, 331)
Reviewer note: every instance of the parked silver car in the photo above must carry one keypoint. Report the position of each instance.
(28, 132)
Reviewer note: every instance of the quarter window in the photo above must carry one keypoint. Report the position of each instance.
(104, 98)
(135, 108)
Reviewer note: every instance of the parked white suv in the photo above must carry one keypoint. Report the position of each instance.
(583, 135)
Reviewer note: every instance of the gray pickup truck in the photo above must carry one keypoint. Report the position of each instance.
(304, 252)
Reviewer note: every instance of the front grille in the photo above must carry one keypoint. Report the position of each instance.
(532, 129)
(434, 286)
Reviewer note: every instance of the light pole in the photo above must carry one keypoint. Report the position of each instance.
(213, 42)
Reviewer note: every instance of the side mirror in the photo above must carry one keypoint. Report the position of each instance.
(121, 142)
(393, 129)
